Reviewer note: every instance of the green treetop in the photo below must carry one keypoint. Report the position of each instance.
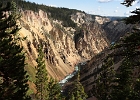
(77, 93)
(47, 89)
(41, 77)
(54, 90)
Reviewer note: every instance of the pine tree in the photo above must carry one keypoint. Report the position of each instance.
(41, 77)
(103, 86)
(137, 89)
(77, 93)
(47, 89)
(72, 97)
(54, 90)
(135, 18)
(13, 85)
(123, 89)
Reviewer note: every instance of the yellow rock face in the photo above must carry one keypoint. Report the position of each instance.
(62, 53)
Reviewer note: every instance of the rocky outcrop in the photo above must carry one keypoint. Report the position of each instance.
(102, 20)
(91, 41)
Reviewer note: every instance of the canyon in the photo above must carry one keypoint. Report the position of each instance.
(81, 56)
(65, 47)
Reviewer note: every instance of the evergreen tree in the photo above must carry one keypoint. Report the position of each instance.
(102, 88)
(123, 89)
(54, 90)
(13, 85)
(47, 89)
(135, 18)
(137, 89)
(41, 77)
(77, 93)
(72, 97)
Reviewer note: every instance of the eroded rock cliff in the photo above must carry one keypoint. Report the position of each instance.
(64, 47)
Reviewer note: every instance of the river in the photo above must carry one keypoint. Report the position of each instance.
(68, 77)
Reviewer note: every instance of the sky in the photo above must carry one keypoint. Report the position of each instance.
(96, 7)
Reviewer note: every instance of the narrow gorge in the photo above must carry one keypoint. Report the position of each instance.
(64, 47)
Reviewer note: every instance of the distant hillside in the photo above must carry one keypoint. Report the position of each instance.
(116, 29)
(113, 18)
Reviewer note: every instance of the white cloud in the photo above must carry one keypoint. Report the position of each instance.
(115, 11)
(128, 13)
(118, 0)
(91, 12)
(137, 7)
(103, 1)
(52, 5)
(98, 9)
(135, 2)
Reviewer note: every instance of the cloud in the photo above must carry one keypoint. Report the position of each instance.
(91, 12)
(115, 11)
(128, 13)
(104, 1)
(137, 7)
(52, 5)
(135, 2)
(99, 9)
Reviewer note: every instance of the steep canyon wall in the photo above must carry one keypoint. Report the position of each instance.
(63, 47)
